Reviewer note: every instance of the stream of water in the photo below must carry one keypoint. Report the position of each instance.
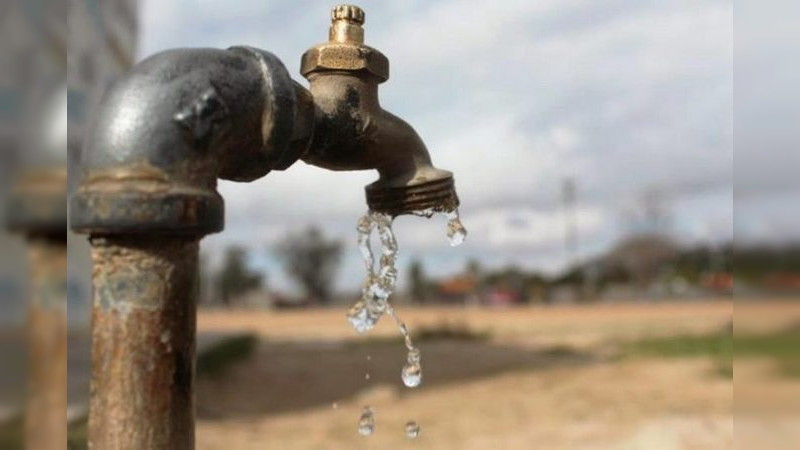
(378, 287)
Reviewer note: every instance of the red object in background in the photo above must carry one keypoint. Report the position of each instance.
(458, 286)
(783, 282)
(718, 282)
(502, 297)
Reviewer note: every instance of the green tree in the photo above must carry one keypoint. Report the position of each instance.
(235, 278)
(311, 260)
(417, 282)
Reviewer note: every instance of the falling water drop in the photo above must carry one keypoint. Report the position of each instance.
(412, 374)
(366, 376)
(456, 232)
(379, 285)
(366, 424)
(412, 429)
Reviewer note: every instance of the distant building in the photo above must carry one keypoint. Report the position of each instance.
(468, 290)
(458, 290)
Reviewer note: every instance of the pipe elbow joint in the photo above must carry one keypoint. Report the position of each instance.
(177, 122)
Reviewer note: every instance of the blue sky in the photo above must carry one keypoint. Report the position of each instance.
(625, 96)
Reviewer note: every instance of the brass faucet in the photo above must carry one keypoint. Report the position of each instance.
(353, 132)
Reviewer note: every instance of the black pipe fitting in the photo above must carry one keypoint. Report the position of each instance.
(178, 121)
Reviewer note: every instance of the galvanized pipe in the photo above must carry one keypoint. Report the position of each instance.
(143, 343)
(46, 409)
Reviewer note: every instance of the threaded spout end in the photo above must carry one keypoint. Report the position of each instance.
(433, 196)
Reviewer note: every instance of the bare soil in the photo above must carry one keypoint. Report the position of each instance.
(545, 378)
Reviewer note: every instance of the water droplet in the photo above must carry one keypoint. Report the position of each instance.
(379, 285)
(366, 424)
(427, 213)
(359, 318)
(412, 375)
(412, 429)
(369, 357)
(335, 405)
(414, 355)
(456, 232)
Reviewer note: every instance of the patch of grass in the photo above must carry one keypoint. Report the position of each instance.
(715, 345)
(76, 435)
(218, 357)
(561, 351)
(450, 331)
(11, 434)
(718, 346)
(783, 347)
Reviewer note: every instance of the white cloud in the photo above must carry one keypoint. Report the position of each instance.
(512, 97)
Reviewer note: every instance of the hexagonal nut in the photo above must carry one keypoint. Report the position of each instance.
(345, 57)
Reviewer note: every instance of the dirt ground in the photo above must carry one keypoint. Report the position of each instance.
(544, 378)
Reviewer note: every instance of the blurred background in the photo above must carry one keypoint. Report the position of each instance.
(592, 304)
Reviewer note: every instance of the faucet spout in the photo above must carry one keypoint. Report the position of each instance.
(353, 132)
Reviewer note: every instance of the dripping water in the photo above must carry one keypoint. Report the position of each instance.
(412, 429)
(379, 285)
(366, 423)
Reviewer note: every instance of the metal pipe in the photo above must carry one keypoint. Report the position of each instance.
(175, 124)
(46, 409)
(164, 134)
(143, 343)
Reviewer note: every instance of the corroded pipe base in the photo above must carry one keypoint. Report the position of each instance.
(438, 195)
(143, 343)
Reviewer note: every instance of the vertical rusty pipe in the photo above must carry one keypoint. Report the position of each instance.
(143, 343)
(45, 416)
(163, 136)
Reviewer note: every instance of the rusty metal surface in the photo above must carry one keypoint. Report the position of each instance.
(175, 124)
(143, 344)
(352, 130)
(438, 195)
(46, 409)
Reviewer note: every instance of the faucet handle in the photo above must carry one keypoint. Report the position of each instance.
(350, 13)
(346, 21)
(345, 49)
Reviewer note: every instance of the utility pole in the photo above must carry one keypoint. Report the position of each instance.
(569, 200)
